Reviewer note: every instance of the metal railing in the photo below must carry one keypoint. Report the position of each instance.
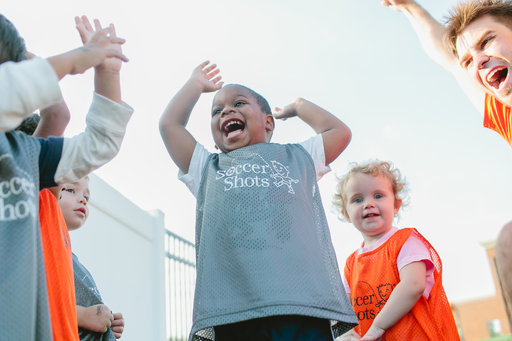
(180, 274)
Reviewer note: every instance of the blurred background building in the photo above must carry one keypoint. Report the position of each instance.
(485, 318)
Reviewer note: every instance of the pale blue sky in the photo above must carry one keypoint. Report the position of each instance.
(357, 59)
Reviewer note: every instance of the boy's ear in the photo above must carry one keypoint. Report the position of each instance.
(398, 204)
(269, 126)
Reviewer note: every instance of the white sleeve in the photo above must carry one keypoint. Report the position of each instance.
(99, 143)
(24, 87)
(315, 147)
(195, 170)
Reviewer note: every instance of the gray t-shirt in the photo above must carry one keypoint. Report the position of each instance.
(23, 293)
(262, 241)
(87, 294)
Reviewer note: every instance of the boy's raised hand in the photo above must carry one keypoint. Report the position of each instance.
(335, 134)
(287, 111)
(207, 77)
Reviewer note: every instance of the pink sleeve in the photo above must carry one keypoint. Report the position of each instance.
(412, 251)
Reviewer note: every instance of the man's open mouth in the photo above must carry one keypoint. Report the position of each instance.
(496, 77)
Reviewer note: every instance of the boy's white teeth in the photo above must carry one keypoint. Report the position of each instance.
(230, 123)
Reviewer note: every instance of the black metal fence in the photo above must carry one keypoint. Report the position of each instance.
(180, 268)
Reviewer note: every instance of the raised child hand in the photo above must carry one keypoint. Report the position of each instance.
(118, 325)
(207, 77)
(87, 34)
(288, 111)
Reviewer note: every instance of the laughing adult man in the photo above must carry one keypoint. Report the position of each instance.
(476, 47)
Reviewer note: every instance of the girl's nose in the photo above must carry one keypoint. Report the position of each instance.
(368, 203)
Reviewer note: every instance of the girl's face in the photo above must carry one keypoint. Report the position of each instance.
(73, 199)
(371, 205)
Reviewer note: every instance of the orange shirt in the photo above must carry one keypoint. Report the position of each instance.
(59, 268)
(373, 275)
(497, 116)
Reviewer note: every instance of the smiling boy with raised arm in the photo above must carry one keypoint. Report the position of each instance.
(265, 261)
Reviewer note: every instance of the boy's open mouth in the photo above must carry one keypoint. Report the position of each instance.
(233, 127)
(496, 77)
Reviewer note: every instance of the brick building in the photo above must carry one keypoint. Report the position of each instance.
(483, 318)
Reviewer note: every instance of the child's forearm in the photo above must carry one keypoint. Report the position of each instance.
(108, 84)
(54, 120)
(335, 134)
(67, 62)
(404, 296)
(317, 118)
(181, 105)
(400, 302)
(179, 142)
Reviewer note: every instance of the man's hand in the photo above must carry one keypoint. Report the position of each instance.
(397, 5)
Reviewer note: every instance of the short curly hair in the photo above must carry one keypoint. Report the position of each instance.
(374, 168)
(262, 101)
(466, 12)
